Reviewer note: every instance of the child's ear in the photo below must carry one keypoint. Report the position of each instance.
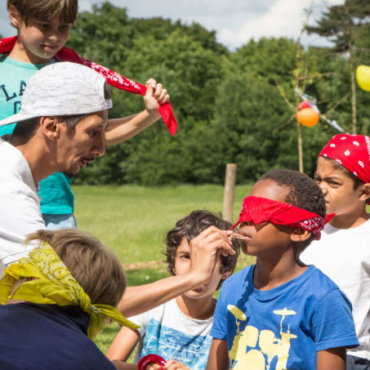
(14, 16)
(50, 127)
(365, 192)
(300, 235)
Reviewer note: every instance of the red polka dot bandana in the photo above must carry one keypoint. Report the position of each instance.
(258, 210)
(352, 152)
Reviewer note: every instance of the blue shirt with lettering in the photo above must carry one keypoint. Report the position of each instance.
(284, 327)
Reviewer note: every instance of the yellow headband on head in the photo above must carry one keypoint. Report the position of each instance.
(54, 284)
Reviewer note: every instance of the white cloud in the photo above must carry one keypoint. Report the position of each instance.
(284, 18)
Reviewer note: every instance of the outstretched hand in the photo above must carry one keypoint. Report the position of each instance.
(205, 251)
(155, 96)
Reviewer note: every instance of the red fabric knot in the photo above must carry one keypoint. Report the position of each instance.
(258, 210)
(151, 359)
(113, 78)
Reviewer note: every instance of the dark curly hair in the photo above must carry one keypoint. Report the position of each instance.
(190, 227)
(303, 193)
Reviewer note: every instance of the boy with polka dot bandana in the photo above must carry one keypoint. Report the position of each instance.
(343, 253)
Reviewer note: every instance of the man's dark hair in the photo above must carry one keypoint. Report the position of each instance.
(190, 227)
(303, 193)
(337, 166)
(27, 128)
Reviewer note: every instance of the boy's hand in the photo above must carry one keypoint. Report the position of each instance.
(155, 95)
(205, 249)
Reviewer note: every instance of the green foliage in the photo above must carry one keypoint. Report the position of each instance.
(227, 104)
(345, 22)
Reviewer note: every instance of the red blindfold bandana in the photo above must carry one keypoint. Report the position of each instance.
(113, 78)
(258, 210)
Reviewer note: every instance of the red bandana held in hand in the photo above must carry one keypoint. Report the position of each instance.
(113, 78)
(151, 359)
(352, 152)
(258, 210)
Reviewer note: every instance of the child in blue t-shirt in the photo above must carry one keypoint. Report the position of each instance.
(43, 28)
(279, 313)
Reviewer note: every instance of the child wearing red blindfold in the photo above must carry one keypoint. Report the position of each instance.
(281, 314)
(343, 253)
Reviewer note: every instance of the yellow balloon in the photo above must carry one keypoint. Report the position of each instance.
(308, 117)
(363, 77)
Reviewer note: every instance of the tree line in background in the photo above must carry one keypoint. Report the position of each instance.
(227, 103)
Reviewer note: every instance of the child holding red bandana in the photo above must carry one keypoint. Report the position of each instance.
(281, 314)
(343, 253)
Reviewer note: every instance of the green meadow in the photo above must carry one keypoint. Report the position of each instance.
(134, 220)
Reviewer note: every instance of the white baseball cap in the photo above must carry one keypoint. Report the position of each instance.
(62, 89)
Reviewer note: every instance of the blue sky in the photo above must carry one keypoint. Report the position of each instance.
(235, 22)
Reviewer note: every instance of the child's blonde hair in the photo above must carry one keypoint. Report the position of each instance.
(45, 9)
(93, 265)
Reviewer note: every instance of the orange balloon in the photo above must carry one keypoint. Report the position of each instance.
(308, 117)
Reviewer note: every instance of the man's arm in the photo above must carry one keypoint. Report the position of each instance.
(205, 249)
(122, 129)
(218, 358)
(331, 359)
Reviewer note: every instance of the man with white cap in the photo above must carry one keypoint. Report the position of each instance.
(60, 128)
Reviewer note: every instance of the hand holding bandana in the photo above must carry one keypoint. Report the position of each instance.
(113, 78)
(258, 210)
(55, 284)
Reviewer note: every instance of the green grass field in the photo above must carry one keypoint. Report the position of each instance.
(134, 222)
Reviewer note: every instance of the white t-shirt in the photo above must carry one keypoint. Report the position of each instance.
(167, 332)
(344, 256)
(20, 213)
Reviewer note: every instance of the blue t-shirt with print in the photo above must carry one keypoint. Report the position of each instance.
(284, 327)
(55, 191)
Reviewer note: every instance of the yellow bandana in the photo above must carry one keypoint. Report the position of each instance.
(54, 284)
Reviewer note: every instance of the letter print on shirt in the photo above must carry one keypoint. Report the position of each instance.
(254, 349)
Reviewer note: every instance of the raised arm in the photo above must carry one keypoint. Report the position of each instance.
(122, 129)
(205, 249)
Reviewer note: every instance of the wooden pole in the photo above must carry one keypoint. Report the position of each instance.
(229, 192)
